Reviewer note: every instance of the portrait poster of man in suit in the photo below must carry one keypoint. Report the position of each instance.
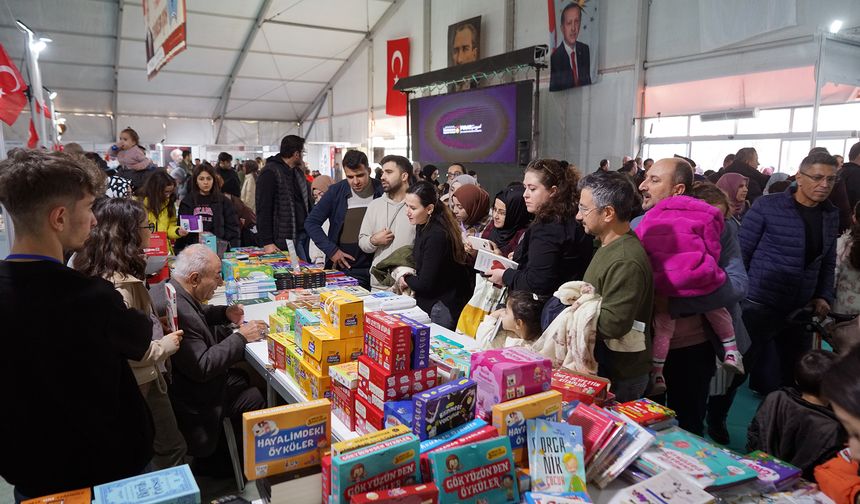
(574, 38)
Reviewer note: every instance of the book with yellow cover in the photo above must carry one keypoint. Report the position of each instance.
(285, 438)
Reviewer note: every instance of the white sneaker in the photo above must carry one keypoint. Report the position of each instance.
(734, 361)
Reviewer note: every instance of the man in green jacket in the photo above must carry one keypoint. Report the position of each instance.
(621, 273)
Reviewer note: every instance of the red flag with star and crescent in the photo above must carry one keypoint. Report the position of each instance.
(13, 98)
(398, 68)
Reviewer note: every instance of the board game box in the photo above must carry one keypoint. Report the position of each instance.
(481, 472)
(444, 407)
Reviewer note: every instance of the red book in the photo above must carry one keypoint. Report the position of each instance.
(645, 411)
(596, 427)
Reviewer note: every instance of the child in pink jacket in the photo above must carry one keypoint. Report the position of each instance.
(129, 154)
(681, 236)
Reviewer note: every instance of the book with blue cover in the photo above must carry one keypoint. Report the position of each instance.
(703, 463)
(556, 457)
(175, 485)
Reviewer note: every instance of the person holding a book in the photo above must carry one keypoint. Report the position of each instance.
(621, 273)
(64, 364)
(159, 199)
(510, 220)
(555, 248)
(205, 199)
(797, 424)
(114, 251)
(442, 282)
(206, 387)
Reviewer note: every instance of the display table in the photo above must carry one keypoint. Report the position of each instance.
(278, 382)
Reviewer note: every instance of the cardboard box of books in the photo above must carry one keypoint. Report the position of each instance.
(510, 418)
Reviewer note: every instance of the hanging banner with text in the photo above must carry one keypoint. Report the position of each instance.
(165, 32)
(398, 68)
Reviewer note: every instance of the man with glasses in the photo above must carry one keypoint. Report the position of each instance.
(621, 274)
(788, 242)
(454, 171)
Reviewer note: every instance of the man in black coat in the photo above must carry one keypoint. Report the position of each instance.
(231, 178)
(570, 51)
(746, 163)
(206, 389)
(850, 174)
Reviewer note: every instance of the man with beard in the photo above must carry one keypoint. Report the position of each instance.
(385, 227)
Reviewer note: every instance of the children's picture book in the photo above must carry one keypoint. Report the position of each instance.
(703, 463)
(191, 223)
(596, 427)
(477, 473)
(556, 498)
(772, 472)
(285, 438)
(556, 457)
(390, 464)
(668, 487)
(645, 411)
(510, 418)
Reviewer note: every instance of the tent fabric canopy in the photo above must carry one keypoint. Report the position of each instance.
(291, 56)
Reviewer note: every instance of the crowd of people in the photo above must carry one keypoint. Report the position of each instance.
(678, 275)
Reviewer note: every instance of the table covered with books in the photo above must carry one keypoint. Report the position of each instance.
(385, 407)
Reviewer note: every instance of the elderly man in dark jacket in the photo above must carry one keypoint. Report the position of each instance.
(788, 242)
(205, 388)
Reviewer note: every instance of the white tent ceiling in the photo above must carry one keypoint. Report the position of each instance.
(289, 59)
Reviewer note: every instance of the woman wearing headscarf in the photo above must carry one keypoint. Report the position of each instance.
(431, 174)
(319, 186)
(471, 209)
(736, 187)
(510, 220)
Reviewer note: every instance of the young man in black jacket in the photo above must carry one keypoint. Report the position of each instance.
(74, 416)
(229, 175)
(284, 199)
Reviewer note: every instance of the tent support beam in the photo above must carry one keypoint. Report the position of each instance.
(315, 27)
(389, 12)
(115, 98)
(221, 109)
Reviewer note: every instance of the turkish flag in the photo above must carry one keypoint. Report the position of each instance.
(398, 68)
(33, 141)
(12, 97)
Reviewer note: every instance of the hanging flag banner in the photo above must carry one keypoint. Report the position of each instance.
(398, 68)
(13, 97)
(165, 32)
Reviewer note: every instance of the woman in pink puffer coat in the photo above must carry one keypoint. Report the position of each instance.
(681, 236)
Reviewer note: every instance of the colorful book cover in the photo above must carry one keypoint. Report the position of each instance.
(705, 464)
(470, 426)
(556, 498)
(390, 464)
(596, 427)
(645, 411)
(772, 472)
(81, 496)
(556, 457)
(443, 408)
(668, 487)
(478, 473)
(510, 418)
(636, 440)
(175, 485)
(285, 438)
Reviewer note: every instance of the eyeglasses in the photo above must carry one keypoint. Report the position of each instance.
(818, 179)
(585, 211)
(453, 174)
(150, 227)
(500, 212)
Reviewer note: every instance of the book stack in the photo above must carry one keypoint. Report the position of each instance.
(668, 487)
(707, 466)
(647, 413)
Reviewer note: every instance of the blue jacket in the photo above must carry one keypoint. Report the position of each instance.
(773, 246)
(332, 208)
